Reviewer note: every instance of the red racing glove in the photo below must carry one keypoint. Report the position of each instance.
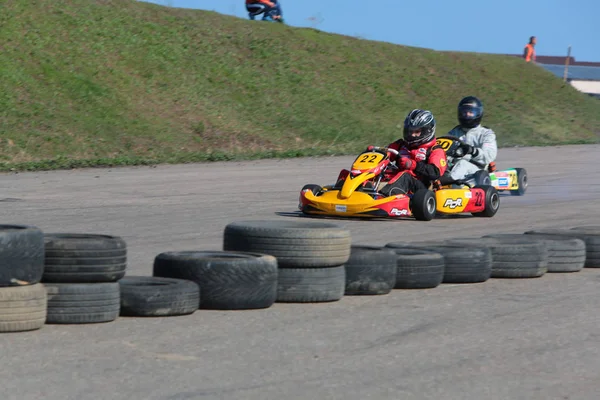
(406, 163)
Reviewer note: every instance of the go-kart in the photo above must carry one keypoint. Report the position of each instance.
(513, 180)
(356, 194)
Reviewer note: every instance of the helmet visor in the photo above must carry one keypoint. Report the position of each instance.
(469, 111)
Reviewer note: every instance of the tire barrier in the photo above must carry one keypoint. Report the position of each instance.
(73, 278)
(310, 255)
(370, 270)
(227, 280)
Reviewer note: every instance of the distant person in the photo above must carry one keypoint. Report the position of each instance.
(271, 10)
(529, 50)
(478, 142)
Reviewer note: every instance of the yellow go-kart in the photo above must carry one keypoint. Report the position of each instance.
(355, 194)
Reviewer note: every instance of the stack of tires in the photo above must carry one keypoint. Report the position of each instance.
(427, 264)
(23, 299)
(224, 280)
(81, 276)
(310, 256)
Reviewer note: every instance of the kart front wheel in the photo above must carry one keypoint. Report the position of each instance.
(482, 177)
(423, 205)
(492, 201)
(316, 189)
(521, 181)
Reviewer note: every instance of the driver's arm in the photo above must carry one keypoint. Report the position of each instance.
(435, 166)
(396, 146)
(487, 151)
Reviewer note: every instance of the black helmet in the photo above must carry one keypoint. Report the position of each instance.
(422, 120)
(470, 112)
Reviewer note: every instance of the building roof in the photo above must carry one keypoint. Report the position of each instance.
(560, 60)
(577, 70)
(574, 72)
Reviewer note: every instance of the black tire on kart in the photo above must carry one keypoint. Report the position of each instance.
(150, 296)
(418, 268)
(589, 235)
(21, 255)
(492, 202)
(295, 244)
(23, 308)
(463, 263)
(423, 205)
(512, 258)
(311, 285)
(228, 280)
(565, 253)
(371, 270)
(82, 303)
(84, 258)
(316, 189)
(522, 182)
(482, 178)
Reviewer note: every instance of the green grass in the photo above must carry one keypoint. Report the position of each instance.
(120, 82)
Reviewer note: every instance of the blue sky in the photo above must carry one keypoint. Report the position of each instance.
(492, 26)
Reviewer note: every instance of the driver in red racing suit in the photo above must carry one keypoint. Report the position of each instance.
(419, 157)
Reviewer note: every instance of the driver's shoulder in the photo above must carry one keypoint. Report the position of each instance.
(456, 132)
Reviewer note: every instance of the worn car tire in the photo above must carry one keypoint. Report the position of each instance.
(21, 255)
(22, 308)
(149, 296)
(228, 280)
(82, 303)
(565, 253)
(84, 258)
(311, 285)
(417, 268)
(511, 258)
(371, 270)
(589, 235)
(462, 263)
(295, 244)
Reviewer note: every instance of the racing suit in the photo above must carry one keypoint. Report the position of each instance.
(486, 150)
(427, 163)
(265, 7)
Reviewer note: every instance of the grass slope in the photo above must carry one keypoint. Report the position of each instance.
(114, 82)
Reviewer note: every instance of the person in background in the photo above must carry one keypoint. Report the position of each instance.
(478, 142)
(529, 50)
(270, 9)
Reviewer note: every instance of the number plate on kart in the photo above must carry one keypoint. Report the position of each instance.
(340, 208)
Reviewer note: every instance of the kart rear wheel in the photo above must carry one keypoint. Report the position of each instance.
(522, 181)
(492, 202)
(423, 205)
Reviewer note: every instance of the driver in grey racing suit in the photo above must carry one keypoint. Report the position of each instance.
(478, 142)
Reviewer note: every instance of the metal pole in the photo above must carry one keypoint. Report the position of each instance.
(567, 64)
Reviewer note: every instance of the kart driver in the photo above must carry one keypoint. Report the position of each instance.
(419, 157)
(271, 10)
(478, 142)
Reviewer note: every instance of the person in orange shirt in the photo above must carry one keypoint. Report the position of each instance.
(529, 50)
(271, 10)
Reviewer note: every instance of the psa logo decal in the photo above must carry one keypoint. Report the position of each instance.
(452, 204)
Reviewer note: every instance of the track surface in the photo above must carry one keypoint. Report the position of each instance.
(502, 339)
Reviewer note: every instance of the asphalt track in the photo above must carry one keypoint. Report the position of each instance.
(502, 339)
